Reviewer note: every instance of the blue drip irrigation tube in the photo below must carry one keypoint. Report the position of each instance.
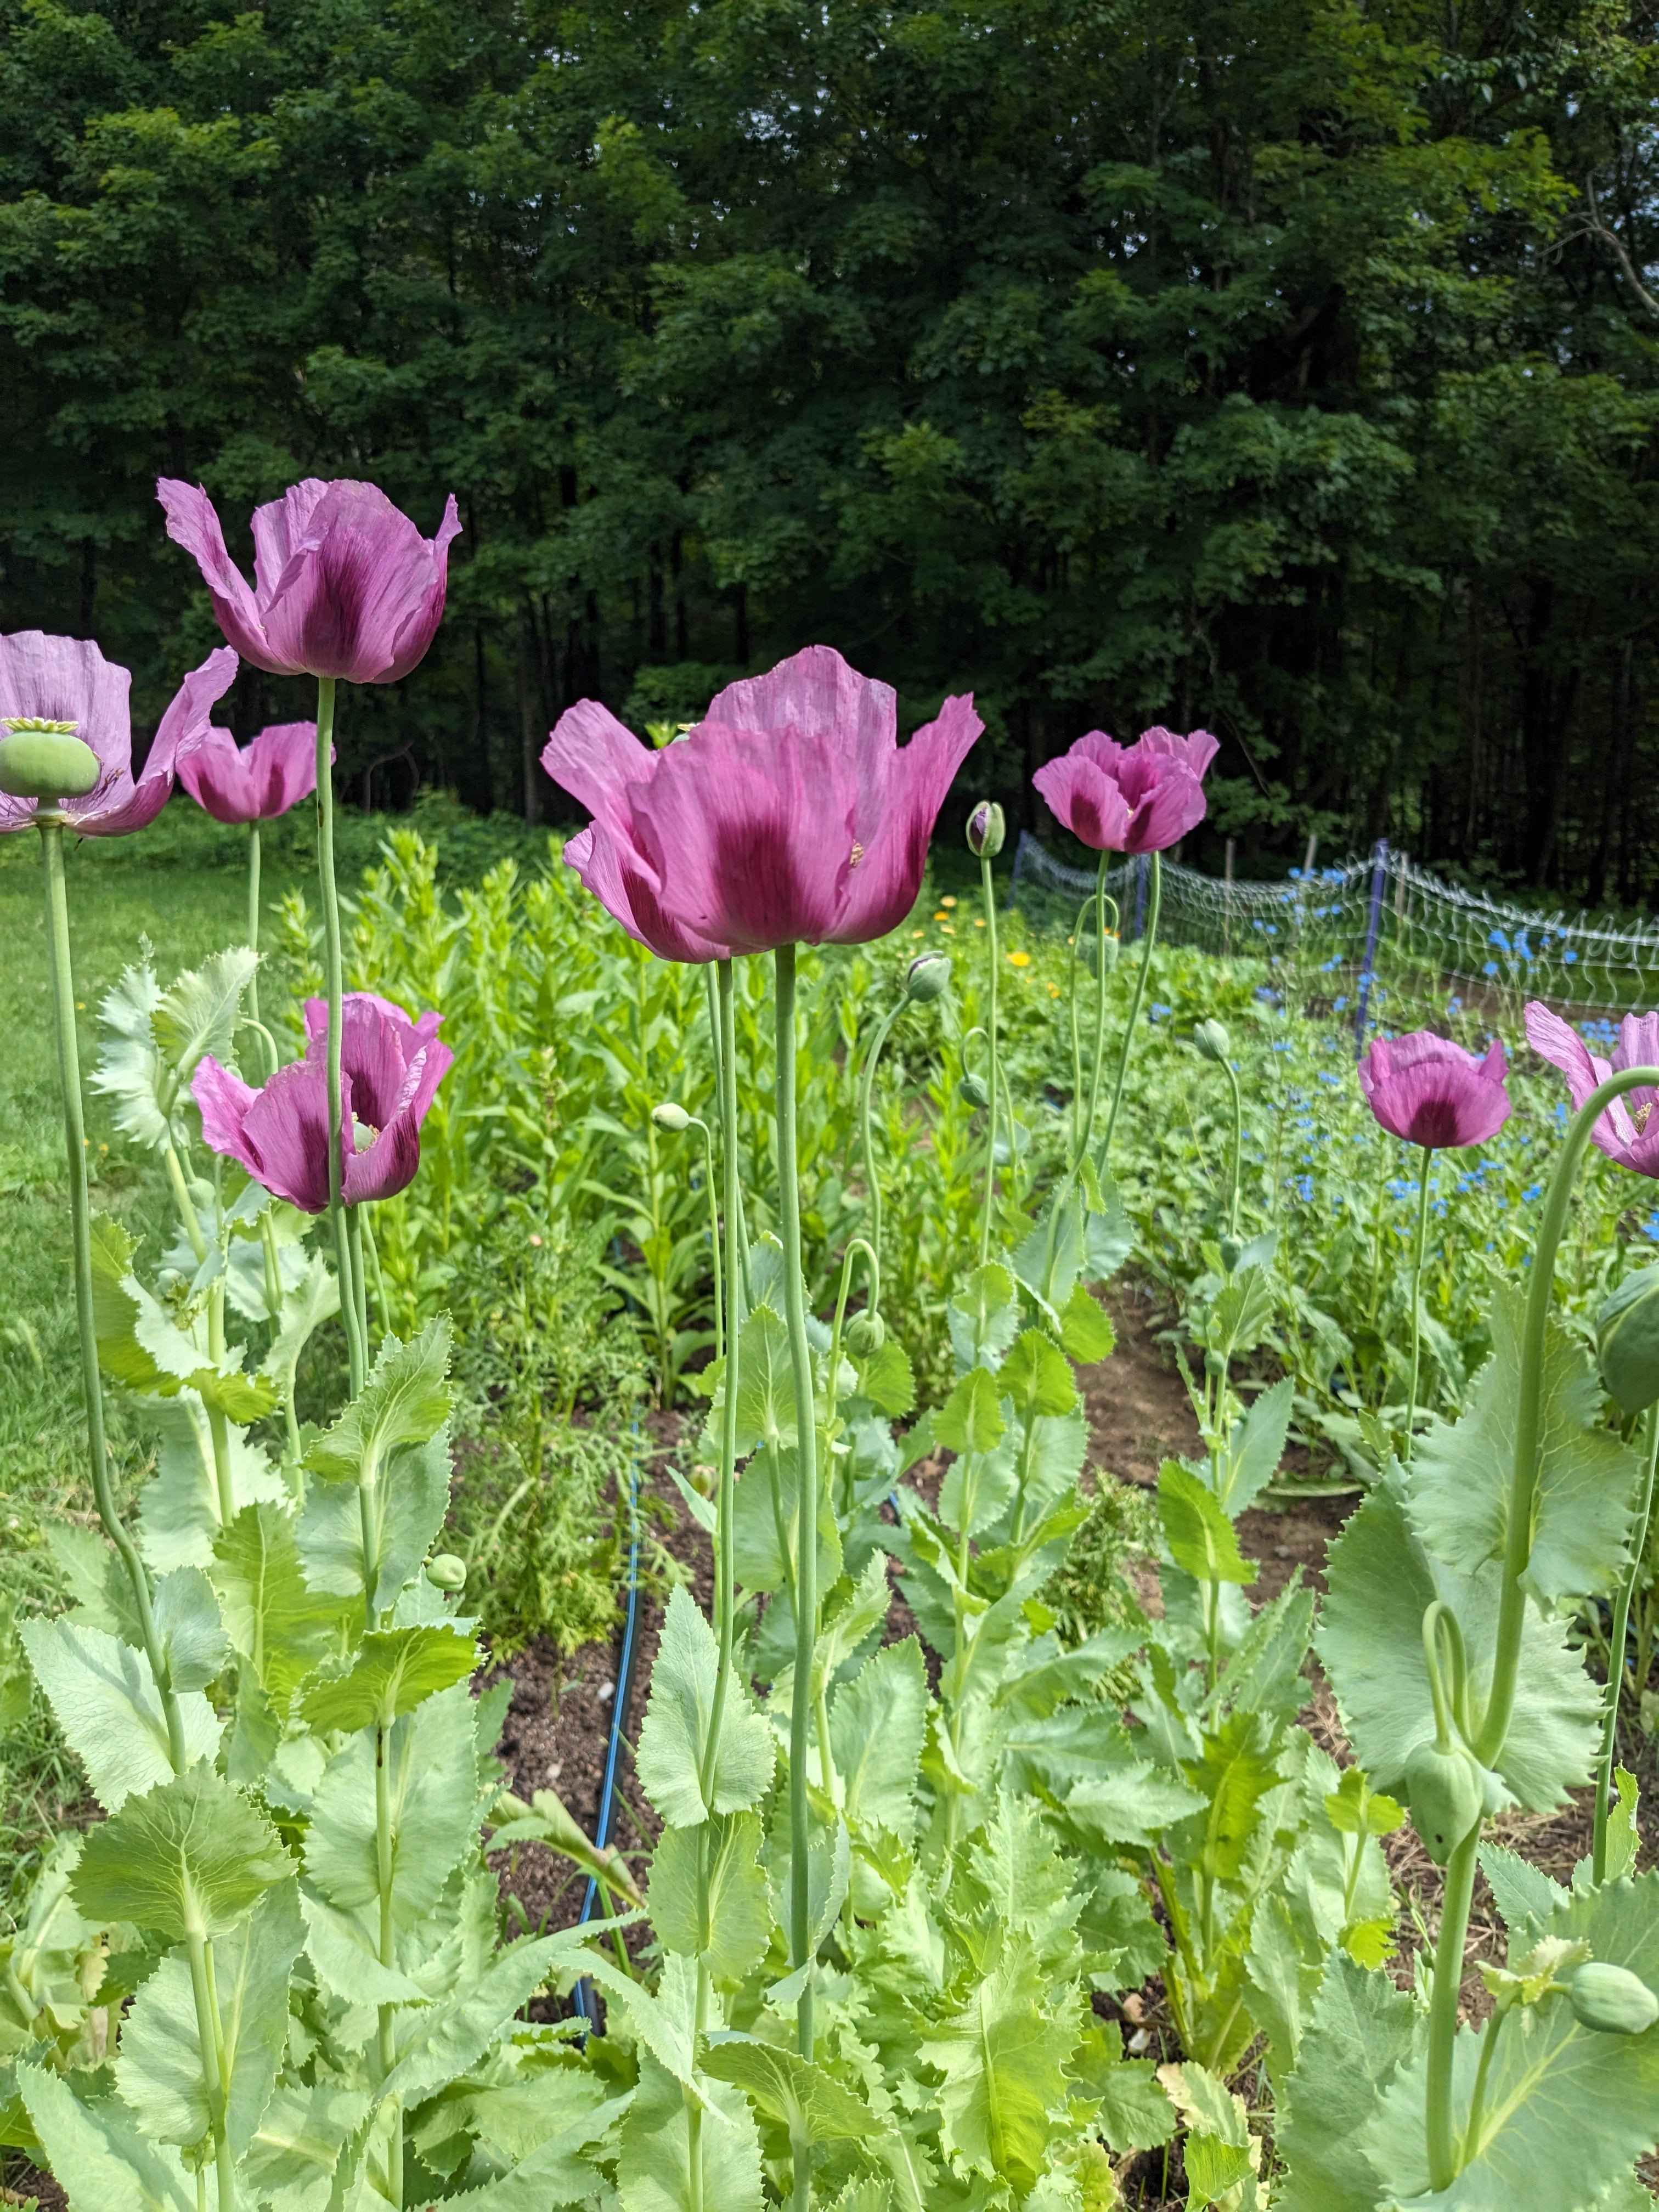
(584, 1991)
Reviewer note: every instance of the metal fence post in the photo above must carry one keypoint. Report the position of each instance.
(1367, 966)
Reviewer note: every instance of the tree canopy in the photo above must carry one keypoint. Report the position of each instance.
(1289, 366)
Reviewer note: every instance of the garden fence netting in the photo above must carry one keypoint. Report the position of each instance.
(1381, 917)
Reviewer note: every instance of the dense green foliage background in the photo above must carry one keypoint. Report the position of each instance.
(1282, 365)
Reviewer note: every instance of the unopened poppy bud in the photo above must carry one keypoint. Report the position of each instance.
(867, 1333)
(1627, 1340)
(926, 976)
(46, 760)
(1611, 1999)
(985, 830)
(1213, 1042)
(668, 1116)
(972, 1090)
(446, 1572)
(1091, 945)
(1232, 1251)
(1442, 1787)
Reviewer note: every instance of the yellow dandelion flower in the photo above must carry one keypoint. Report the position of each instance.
(947, 902)
(1019, 959)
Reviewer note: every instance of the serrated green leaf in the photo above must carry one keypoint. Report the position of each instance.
(160, 2071)
(1085, 1331)
(766, 1382)
(878, 1725)
(764, 1531)
(1135, 2112)
(306, 1306)
(409, 1502)
(108, 1704)
(554, 2173)
(129, 1069)
(1038, 1376)
(1381, 1582)
(1053, 1253)
(970, 1419)
(1521, 1891)
(1459, 1478)
(140, 1347)
(1202, 1540)
(1238, 1768)
(1003, 2056)
(548, 1819)
(391, 1671)
(983, 1316)
(792, 2093)
(1133, 1806)
(405, 1402)
(291, 2161)
(1354, 1808)
(275, 1622)
(1568, 2109)
(654, 2166)
(431, 1759)
(887, 1381)
(178, 1509)
(1256, 1446)
(186, 1859)
(199, 1012)
(676, 1720)
(195, 1649)
(96, 2153)
(1264, 1675)
(437, 2043)
(1219, 2153)
(1360, 2030)
(732, 1941)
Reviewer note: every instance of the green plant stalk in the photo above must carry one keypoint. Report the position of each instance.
(711, 1185)
(334, 975)
(806, 1531)
(1084, 912)
(1376, 1220)
(1471, 2143)
(1154, 907)
(726, 1494)
(62, 975)
(386, 2037)
(210, 2036)
(355, 1227)
(867, 1141)
(1442, 2008)
(253, 947)
(988, 894)
(832, 1388)
(1238, 1150)
(1098, 1068)
(1417, 1297)
(1616, 1656)
(273, 1269)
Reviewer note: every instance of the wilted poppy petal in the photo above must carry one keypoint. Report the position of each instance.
(193, 523)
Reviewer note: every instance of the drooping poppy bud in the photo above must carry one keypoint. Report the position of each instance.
(867, 1333)
(1212, 1041)
(1611, 1999)
(985, 830)
(1627, 1340)
(669, 1116)
(445, 1571)
(1442, 1787)
(972, 1090)
(926, 977)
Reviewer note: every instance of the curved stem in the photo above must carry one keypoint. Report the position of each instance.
(62, 978)
(1616, 1655)
(333, 968)
(806, 1472)
(1417, 1297)
(988, 895)
(1443, 2007)
(1528, 1423)
(1153, 907)
(1471, 2144)
(832, 1386)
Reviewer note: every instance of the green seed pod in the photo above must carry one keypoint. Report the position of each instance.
(47, 764)
(1232, 1251)
(972, 1090)
(1443, 1789)
(1612, 1999)
(926, 977)
(985, 830)
(668, 1116)
(867, 1333)
(1213, 1042)
(446, 1572)
(1627, 1339)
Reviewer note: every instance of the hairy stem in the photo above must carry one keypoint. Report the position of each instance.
(50, 826)
(1616, 1655)
(988, 894)
(1442, 2008)
(806, 1532)
(1417, 1295)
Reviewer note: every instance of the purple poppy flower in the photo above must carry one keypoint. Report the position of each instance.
(1141, 798)
(788, 815)
(344, 584)
(1628, 1131)
(1432, 1093)
(68, 680)
(389, 1069)
(253, 783)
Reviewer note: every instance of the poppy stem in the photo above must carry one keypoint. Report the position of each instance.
(871, 1176)
(253, 947)
(333, 970)
(806, 1502)
(1455, 1900)
(1100, 1015)
(725, 1495)
(1417, 1296)
(1616, 1656)
(1153, 907)
(50, 826)
(988, 895)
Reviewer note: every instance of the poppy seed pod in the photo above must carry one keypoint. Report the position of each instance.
(668, 1116)
(985, 830)
(445, 1571)
(972, 1090)
(47, 763)
(1627, 1340)
(1212, 1041)
(1611, 1999)
(867, 1333)
(1443, 1789)
(926, 977)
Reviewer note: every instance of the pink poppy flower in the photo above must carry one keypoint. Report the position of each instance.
(389, 1069)
(1430, 1091)
(344, 584)
(1141, 798)
(788, 815)
(252, 783)
(1628, 1131)
(67, 679)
